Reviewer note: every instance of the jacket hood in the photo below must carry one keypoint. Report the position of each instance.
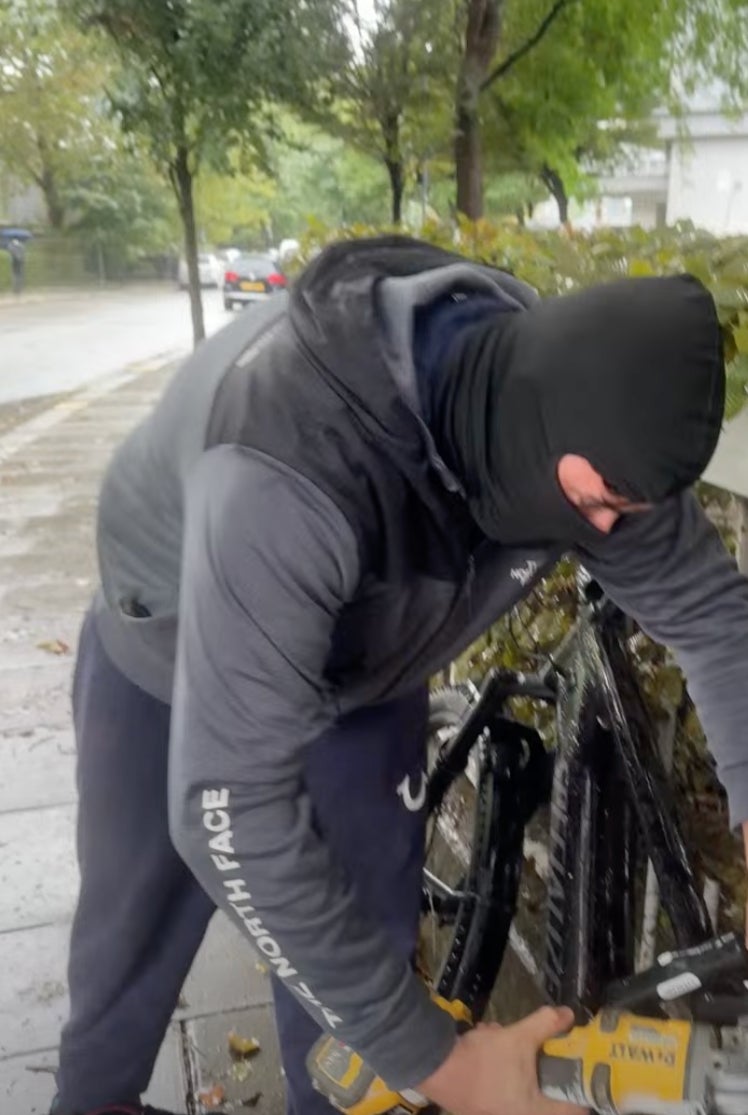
(628, 374)
(339, 311)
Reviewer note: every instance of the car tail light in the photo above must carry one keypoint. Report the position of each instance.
(231, 277)
(276, 279)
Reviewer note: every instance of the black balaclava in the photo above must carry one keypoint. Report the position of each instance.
(628, 374)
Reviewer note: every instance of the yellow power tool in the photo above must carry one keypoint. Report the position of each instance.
(353, 1087)
(617, 1064)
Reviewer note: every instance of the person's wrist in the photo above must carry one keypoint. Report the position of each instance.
(439, 1086)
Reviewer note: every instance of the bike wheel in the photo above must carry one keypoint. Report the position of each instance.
(473, 858)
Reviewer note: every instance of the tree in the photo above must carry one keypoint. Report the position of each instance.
(553, 69)
(581, 92)
(322, 178)
(391, 100)
(122, 210)
(482, 38)
(235, 209)
(51, 118)
(197, 78)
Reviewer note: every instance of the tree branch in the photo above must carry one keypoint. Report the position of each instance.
(527, 46)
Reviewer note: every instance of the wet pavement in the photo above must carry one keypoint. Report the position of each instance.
(51, 458)
(65, 339)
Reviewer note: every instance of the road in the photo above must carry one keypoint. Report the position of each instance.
(57, 343)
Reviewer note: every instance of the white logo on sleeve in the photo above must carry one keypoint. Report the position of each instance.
(413, 802)
(525, 573)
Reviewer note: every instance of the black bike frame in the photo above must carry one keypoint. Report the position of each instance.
(609, 791)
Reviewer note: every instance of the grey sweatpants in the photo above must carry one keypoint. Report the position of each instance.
(141, 915)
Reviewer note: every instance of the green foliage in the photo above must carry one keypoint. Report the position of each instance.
(321, 178)
(121, 209)
(536, 77)
(559, 262)
(512, 193)
(391, 100)
(196, 80)
(602, 60)
(51, 114)
(199, 75)
(52, 260)
(234, 209)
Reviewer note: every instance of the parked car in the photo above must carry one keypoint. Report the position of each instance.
(251, 278)
(209, 267)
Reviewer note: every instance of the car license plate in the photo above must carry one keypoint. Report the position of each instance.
(251, 286)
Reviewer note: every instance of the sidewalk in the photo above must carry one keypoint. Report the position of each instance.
(33, 295)
(49, 470)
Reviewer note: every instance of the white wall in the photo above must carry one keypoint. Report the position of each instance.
(708, 184)
(645, 210)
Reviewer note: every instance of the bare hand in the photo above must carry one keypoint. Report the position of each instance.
(493, 1070)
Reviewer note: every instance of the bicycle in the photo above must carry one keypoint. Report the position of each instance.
(670, 1039)
(609, 802)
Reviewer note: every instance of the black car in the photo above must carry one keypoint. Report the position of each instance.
(251, 278)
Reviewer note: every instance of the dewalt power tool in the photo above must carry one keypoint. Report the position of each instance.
(625, 1063)
(351, 1086)
(618, 1063)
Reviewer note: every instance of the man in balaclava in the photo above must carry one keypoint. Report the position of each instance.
(336, 494)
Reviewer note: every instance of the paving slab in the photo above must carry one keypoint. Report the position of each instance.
(51, 466)
(227, 974)
(33, 990)
(38, 871)
(254, 1084)
(27, 1084)
(39, 697)
(41, 762)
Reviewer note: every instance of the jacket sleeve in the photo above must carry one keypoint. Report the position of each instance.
(268, 563)
(669, 570)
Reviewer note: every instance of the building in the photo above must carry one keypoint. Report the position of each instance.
(697, 172)
(700, 174)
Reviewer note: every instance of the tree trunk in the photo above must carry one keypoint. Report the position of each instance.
(469, 162)
(395, 171)
(47, 182)
(393, 160)
(481, 40)
(552, 179)
(182, 181)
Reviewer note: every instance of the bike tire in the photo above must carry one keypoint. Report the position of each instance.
(474, 850)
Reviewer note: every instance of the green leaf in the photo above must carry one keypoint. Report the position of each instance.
(737, 382)
(730, 298)
(640, 268)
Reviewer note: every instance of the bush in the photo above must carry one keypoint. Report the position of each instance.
(50, 261)
(559, 262)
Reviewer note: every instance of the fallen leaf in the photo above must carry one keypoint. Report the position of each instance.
(241, 1070)
(253, 1100)
(54, 646)
(261, 968)
(212, 1097)
(242, 1047)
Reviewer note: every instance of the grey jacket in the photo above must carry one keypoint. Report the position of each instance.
(280, 542)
